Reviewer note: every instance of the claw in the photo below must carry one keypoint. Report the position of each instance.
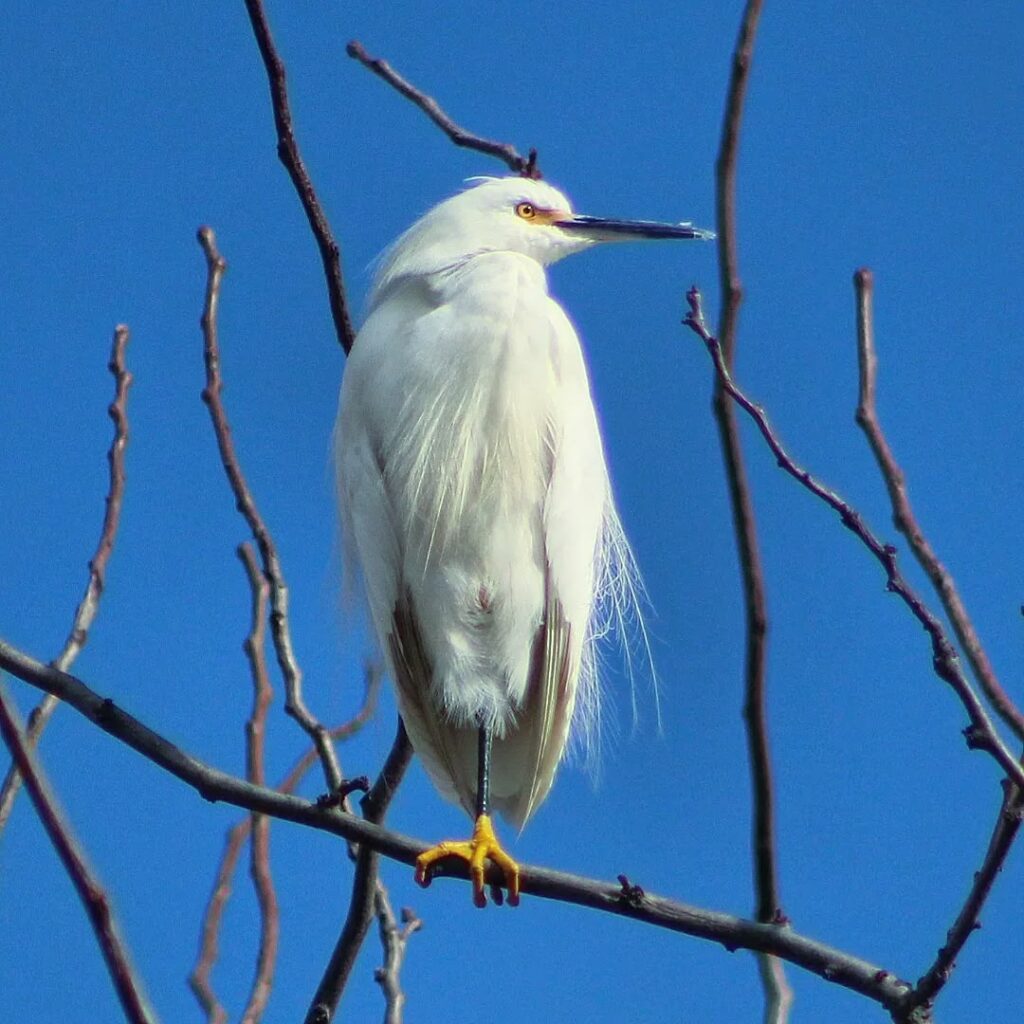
(475, 852)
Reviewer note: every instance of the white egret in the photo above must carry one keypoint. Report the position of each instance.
(475, 498)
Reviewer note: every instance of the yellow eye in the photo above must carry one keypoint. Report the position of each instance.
(526, 210)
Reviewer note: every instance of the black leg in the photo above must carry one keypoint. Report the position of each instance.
(483, 772)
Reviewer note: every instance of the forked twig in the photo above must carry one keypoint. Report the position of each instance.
(526, 166)
(288, 153)
(90, 890)
(88, 607)
(238, 834)
(778, 994)
(904, 518)
(295, 704)
(394, 938)
(981, 734)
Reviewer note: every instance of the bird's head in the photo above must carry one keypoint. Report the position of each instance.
(511, 215)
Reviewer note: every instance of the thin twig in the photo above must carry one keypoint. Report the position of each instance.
(255, 736)
(295, 705)
(778, 994)
(200, 980)
(289, 155)
(340, 733)
(394, 938)
(88, 607)
(1005, 832)
(525, 166)
(981, 733)
(367, 889)
(904, 518)
(377, 801)
(236, 837)
(91, 892)
(731, 932)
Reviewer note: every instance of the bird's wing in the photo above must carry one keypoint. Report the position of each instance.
(439, 743)
(550, 698)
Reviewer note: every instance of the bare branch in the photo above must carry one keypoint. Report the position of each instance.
(339, 733)
(377, 801)
(526, 166)
(394, 939)
(289, 155)
(904, 518)
(259, 849)
(768, 908)
(295, 705)
(731, 932)
(199, 979)
(368, 893)
(1011, 813)
(778, 993)
(981, 734)
(87, 884)
(725, 178)
(88, 607)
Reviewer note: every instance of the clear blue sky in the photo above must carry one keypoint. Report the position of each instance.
(873, 136)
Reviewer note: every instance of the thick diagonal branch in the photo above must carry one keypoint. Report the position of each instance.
(731, 932)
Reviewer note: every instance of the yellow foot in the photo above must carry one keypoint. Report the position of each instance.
(475, 852)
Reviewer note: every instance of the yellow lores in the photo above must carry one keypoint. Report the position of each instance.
(475, 499)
